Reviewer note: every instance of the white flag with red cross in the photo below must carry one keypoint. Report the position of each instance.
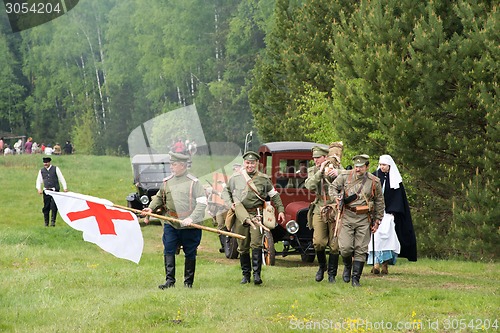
(115, 230)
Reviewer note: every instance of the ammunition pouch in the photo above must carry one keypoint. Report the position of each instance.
(328, 213)
(362, 210)
(230, 219)
(269, 216)
(310, 212)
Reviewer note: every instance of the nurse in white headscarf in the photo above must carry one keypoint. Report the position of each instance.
(395, 236)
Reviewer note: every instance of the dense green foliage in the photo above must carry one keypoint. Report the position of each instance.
(108, 66)
(53, 281)
(417, 80)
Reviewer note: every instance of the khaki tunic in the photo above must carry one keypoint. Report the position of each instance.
(323, 234)
(181, 197)
(355, 233)
(246, 203)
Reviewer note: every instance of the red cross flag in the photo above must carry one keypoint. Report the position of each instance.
(115, 230)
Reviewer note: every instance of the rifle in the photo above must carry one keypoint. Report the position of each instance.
(338, 218)
(340, 210)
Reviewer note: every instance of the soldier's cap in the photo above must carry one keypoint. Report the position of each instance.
(46, 159)
(319, 151)
(178, 157)
(236, 165)
(360, 160)
(251, 156)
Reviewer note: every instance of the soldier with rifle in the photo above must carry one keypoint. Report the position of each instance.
(321, 213)
(246, 193)
(361, 195)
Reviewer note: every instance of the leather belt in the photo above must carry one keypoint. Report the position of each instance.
(178, 215)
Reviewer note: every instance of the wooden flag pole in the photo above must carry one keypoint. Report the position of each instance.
(171, 219)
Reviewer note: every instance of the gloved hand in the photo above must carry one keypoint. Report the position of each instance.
(186, 222)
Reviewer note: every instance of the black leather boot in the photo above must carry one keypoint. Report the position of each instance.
(257, 265)
(46, 219)
(333, 264)
(346, 275)
(357, 269)
(169, 272)
(222, 240)
(322, 265)
(246, 267)
(189, 268)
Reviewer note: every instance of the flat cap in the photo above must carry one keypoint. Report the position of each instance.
(360, 160)
(251, 156)
(319, 151)
(46, 159)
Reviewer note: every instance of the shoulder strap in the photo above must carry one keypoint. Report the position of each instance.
(373, 187)
(251, 184)
(362, 184)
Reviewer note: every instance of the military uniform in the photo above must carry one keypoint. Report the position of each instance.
(246, 202)
(355, 232)
(323, 234)
(181, 197)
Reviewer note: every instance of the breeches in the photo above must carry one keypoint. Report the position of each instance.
(354, 236)
(253, 237)
(220, 218)
(189, 239)
(323, 234)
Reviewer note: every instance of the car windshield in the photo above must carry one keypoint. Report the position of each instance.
(151, 173)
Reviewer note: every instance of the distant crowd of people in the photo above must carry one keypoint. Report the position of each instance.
(31, 147)
(184, 147)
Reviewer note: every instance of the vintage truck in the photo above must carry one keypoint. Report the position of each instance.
(149, 172)
(286, 164)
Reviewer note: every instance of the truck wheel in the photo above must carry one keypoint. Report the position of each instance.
(268, 251)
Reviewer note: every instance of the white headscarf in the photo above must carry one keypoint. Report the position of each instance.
(394, 175)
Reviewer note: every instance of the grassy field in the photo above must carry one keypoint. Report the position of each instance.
(53, 281)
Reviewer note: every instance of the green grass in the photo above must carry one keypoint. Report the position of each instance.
(53, 281)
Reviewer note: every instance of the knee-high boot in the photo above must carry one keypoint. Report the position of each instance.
(189, 268)
(257, 265)
(53, 219)
(322, 265)
(357, 269)
(346, 275)
(169, 272)
(246, 267)
(333, 264)
(222, 240)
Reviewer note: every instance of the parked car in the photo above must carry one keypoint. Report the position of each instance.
(286, 163)
(149, 172)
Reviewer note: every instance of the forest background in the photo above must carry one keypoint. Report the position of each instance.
(414, 79)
